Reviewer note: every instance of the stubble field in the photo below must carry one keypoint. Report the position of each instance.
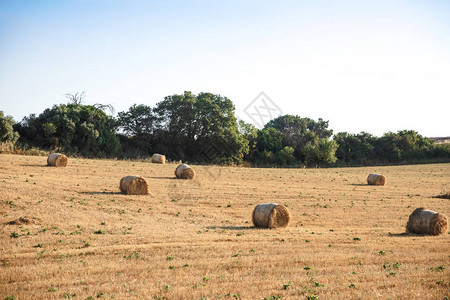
(69, 233)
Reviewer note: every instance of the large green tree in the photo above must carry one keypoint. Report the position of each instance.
(294, 127)
(355, 149)
(200, 128)
(73, 127)
(320, 151)
(7, 132)
(310, 139)
(250, 134)
(139, 132)
(403, 146)
(138, 120)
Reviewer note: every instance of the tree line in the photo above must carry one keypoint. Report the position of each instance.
(203, 128)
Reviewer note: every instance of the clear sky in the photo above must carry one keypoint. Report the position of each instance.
(373, 66)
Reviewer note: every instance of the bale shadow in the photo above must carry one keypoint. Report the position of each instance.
(30, 165)
(359, 184)
(100, 193)
(162, 177)
(403, 234)
(406, 234)
(443, 196)
(233, 227)
(23, 221)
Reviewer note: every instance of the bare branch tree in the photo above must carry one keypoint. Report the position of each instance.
(76, 98)
(104, 107)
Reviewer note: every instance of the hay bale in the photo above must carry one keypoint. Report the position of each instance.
(270, 215)
(158, 158)
(376, 179)
(184, 171)
(423, 221)
(133, 185)
(57, 160)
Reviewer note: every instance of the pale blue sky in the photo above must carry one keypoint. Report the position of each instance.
(372, 66)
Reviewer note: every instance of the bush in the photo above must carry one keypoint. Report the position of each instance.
(286, 156)
(7, 132)
(75, 128)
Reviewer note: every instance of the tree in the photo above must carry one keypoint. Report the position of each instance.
(269, 139)
(440, 152)
(7, 133)
(291, 126)
(320, 152)
(78, 128)
(355, 148)
(250, 134)
(405, 145)
(308, 138)
(139, 125)
(201, 128)
(286, 156)
(138, 120)
(76, 98)
(268, 142)
(413, 145)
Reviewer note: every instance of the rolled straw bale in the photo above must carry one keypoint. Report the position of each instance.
(184, 171)
(133, 185)
(376, 179)
(270, 215)
(158, 158)
(57, 160)
(423, 221)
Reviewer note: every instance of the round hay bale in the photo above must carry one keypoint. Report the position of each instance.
(158, 158)
(376, 179)
(133, 185)
(270, 215)
(423, 221)
(57, 160)
(184, 171)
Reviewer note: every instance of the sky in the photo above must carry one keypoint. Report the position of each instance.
(373, 66)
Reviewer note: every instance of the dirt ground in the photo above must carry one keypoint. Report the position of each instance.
(69, 233)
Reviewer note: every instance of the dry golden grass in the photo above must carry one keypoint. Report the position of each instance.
(193, 239)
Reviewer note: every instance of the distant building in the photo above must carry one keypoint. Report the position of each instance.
(441, 140)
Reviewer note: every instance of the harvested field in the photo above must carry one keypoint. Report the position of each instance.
(194, 239)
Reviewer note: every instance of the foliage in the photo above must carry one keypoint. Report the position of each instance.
(7, 133)
(138, 120)
(320, 152)
(72, 127)
(269, 139)
(200, 128)
(286, 156)
(203, 128)
(250, 134)
(295, 126)
(291, 139)
(439, 152)
(355, 148)
(139, 125)
(405, 146)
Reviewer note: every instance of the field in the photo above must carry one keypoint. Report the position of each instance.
(69, 233)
